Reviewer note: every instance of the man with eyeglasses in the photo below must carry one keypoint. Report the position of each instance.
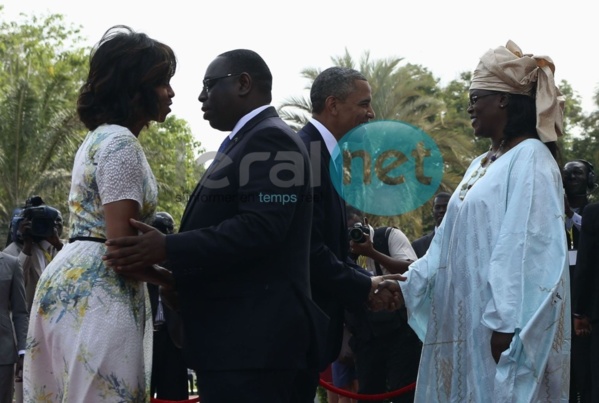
(240, 260)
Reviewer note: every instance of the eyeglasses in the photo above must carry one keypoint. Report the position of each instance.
(208, 83)
(474, 98)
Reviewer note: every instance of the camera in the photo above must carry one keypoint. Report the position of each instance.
(43, 218)
(359, 232)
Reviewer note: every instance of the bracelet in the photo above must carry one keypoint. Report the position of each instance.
(578, 316)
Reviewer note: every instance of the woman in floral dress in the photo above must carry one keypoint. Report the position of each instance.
(90, 330)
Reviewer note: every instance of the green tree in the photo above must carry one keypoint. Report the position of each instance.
(171, 149)
(409, 93)
(577, 142)
(590, 130)
(584, 144)
(41, 70)
(42, 67)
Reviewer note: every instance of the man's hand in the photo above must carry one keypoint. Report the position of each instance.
(499, 343)
(362, 248)
(54, 240)
(136, 253)
(170, 297)
(19, 369)
(150, 274)
(567, 209)
(24, 231)
(385, 293)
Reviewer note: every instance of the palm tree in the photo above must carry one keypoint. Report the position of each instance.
(411, 94)
(39, 130)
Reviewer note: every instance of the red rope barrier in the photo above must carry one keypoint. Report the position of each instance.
(380, 396)
(326, 385)
(153, 400)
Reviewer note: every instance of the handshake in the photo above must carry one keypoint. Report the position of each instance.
(385, 293)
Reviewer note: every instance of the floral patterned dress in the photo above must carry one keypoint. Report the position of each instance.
(90, 333)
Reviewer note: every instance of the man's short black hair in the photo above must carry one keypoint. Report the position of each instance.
(442, 194)
(336, 81)
(248, 61)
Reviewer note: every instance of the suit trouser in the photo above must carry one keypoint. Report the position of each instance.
(387, 363)
(595, 361)
(580, 369)
(7, 375)
(169, 370)
(304, 386)
(249, 386)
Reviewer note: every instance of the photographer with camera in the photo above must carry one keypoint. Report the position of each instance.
(35, 232)
(386, 349)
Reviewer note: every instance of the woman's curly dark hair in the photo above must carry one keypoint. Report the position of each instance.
(125, 68)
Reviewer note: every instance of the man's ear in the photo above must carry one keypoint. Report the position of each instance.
(245, 84)
(504, 100)
(330, 104)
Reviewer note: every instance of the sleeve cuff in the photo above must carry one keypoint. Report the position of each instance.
(577, 220)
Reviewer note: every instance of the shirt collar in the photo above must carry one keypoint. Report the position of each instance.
(329, 140)
(246, 119)
(44, 244)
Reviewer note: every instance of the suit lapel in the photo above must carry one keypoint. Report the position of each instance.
(326, 158)
(315, 135)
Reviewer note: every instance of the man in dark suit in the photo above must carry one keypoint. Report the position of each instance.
(579, 180)
(440, 201)
(585, 286)
(340, 101)
(241, 258)
(14, 320)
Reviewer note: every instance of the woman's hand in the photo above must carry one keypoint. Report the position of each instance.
(499, 343)
(582, 326)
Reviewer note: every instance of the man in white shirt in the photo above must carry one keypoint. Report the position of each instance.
(37, 241)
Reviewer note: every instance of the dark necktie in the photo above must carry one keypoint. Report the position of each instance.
(224, 144)
(219, 154)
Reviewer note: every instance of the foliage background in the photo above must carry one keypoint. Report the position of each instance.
(411, 93)
(42, 65)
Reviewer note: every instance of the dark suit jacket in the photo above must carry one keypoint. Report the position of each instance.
(14, 317)
(586, 275)
(422, 244)
(336, 283)
(240, 259)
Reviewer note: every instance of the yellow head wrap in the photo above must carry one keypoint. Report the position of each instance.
(506, 69)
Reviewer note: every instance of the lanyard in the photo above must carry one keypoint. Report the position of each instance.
(47, 254)
(571, 235)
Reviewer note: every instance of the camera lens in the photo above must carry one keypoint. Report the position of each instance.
(357, 235)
